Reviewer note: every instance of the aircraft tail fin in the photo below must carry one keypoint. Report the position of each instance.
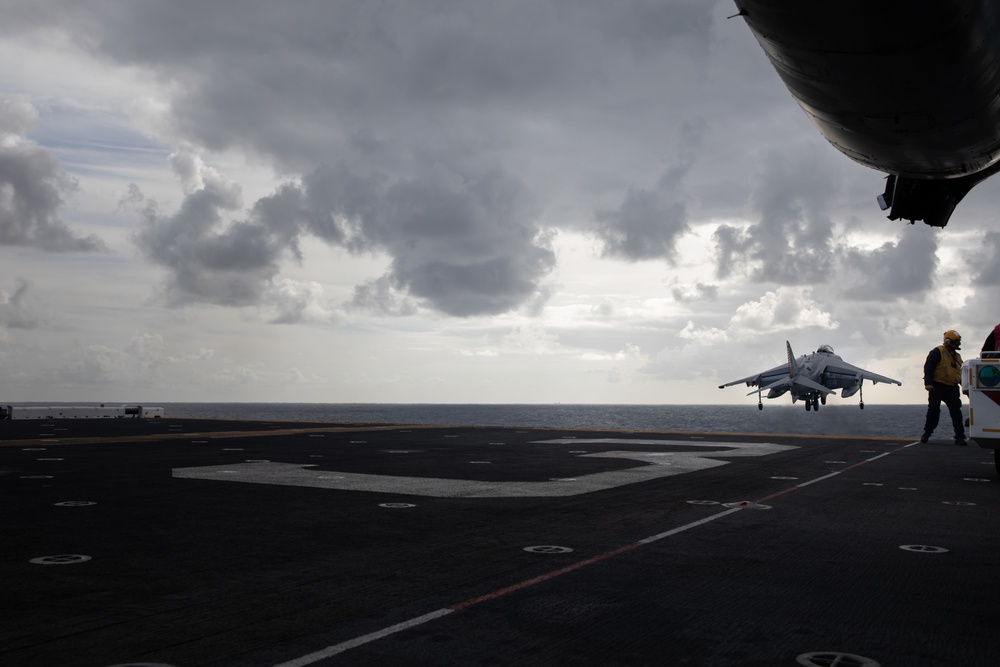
(793, 368)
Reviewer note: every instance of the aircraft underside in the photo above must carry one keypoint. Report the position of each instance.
(908, 89)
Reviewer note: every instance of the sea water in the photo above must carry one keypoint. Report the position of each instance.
(903, 421)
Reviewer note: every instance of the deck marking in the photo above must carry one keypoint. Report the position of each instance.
(61, 559)
(923, 548)
(547, 549)
(330, 651)
(499, 593)
(657, 464)
(831, 658)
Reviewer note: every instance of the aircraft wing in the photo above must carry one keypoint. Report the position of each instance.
(843, 374)
(810, 384)
(762, 378)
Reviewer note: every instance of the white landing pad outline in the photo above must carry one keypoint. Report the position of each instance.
(659, 464)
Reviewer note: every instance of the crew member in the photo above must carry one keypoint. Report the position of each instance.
(992, 343)
(942, 375)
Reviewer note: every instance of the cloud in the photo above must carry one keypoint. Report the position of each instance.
(94, 364)
(792, 241)
(296, 302)
(698, 293)
(782, 309)
(402, 129)
(647, 223)
(462, 242)
(703, 334)
(986, 261)
(902, 269)
(16, 309)
(209, 260)
(630, 352)
(33, 186)
(381, 296)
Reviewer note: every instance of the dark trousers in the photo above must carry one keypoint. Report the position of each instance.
(950, 395)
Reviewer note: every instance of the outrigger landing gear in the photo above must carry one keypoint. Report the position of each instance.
(861, 389)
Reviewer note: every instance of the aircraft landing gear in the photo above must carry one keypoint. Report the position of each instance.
(861, 396)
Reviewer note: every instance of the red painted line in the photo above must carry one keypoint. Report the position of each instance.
(544, 577)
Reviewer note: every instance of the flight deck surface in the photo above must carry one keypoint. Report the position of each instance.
(209, 542)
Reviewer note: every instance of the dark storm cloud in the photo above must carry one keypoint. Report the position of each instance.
(33, 186)
(792, 241)
(209, 259)
(463, 243)
(405, 128)
(648, 223)
(295, 82)
(905, 268)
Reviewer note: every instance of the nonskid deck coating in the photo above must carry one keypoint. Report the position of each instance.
(185, 571)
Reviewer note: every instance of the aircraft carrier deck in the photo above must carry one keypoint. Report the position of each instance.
(203, 542)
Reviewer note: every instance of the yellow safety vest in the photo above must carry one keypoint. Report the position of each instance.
(949, 369)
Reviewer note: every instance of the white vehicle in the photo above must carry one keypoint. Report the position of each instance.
(981, 381)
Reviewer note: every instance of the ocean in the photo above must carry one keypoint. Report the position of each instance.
(875, 420)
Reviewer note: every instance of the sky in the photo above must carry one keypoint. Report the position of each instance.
(442, 201)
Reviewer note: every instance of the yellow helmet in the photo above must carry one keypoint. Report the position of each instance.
(953, 337)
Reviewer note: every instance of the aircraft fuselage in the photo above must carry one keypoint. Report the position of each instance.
(910, 89)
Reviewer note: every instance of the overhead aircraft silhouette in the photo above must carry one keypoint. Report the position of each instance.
(811, 378)
(911, 89)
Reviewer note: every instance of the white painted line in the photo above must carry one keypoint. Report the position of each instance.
(689, 526)
(818, 479)
(331, 651)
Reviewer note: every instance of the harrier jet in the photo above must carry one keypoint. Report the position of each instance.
(911, 89)
(811, 378)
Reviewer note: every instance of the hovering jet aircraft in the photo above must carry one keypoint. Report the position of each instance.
(811, 378)
(911, 89)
